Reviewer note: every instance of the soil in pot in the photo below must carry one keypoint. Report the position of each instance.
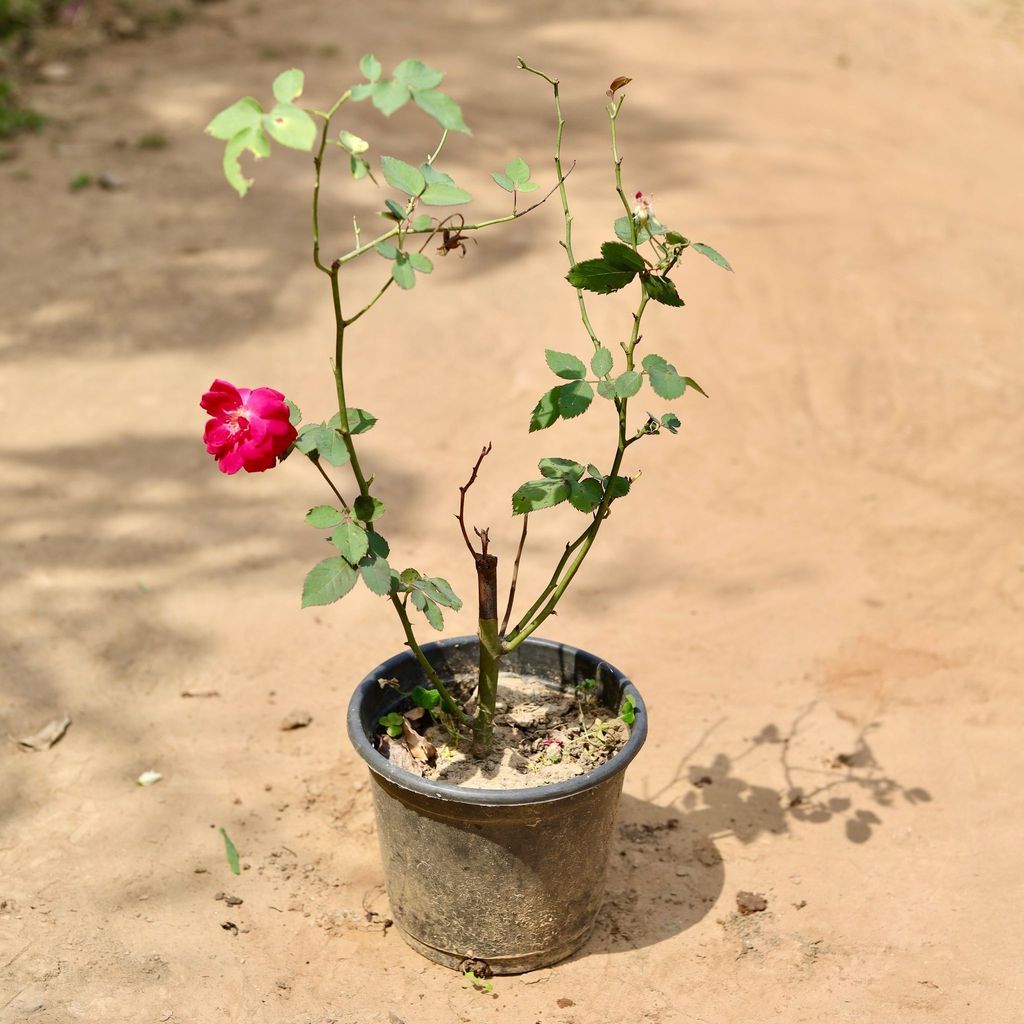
(542, 735)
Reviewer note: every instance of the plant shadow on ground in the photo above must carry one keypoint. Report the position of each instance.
(666, 872)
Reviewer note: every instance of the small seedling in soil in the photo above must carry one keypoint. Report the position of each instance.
(232, 853)
(80, 181)
(394, 723)
(152, 141)
(628, 710)
(480, 984)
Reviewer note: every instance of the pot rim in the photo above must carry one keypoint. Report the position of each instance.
(448, 791)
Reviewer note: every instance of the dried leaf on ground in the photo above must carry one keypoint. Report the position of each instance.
(47, 736)
(200, 693)
(296, 720)
(419, 746)
(399, 755)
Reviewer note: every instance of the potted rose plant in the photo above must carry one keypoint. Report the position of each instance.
(496, 759)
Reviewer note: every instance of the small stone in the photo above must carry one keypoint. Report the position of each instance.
(55, 71)
(110, 182)
(750, 902)
(296, 720)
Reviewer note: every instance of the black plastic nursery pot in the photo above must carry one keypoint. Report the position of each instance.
(514, 877)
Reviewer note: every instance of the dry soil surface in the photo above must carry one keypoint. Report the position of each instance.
(818, 584)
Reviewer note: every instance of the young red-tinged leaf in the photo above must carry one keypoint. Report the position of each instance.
(618, 83)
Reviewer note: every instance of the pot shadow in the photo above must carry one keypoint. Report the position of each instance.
(666, 872)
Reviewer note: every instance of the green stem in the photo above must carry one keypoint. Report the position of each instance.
(330, 482)
(339, 379)
(318, 164)
(449, 703)
(613, 113)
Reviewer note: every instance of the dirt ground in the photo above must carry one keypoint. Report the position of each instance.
(818, 585)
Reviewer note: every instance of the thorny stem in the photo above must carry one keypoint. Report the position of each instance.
(515, 577)
(613, 114)
(567, 244)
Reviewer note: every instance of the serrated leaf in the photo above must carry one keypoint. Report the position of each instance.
(622, 257)
(376, 574)
(442, 108)
(368, 509)
(662, 290)
(539, 494)
(599, 276)
(565, 365)
(712, 254)
(247, 139)
(619, 486)
(546, 411)
(351, 541)
(586, 495)
(574, 399)
(674, 238)
(433, 175)
(359, 420)
(291, 126)
(667, 383)
(422, 222)
(353, 143)
(606, 389)
(378, 545)
(439, 194)
(288, 85)
(387, 250)
(370, 67)
(328, 581)
(294, 412)
(690, 382)
(331, 446)
(420, 263)
(670, 421)
(306, 440)
(429, 609)
(409, 576)
(518, 170)
(243, 113)
(601, 361)
(448, 596)
(417, 75)
(322, 517)
(402, 176)
(560, 469)
(402, 272)
(389, 96)
(628, 384)
(652, 362)
(504, 181)
(643, 234)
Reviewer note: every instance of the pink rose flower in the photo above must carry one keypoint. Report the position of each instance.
(249, 429)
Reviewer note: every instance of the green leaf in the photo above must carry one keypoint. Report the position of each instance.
(324, 516)
(353, 143)
(599, 276)
(387, 250)
(368, 509)
(351, 541)
(574, 399)
(504, 181)
(243, 113)
(595, 472)
(402, 272)
(628, 710)
(662, 290)
(565, 365)
(232, 853)
(643, 234)
(674, 238)
(294, 412)
(408, 576)
(389, 96)
(527, 186)
(393, 722)
(251, 139)
(443, 109)
(619, 486)
(539, 494)
(665, 381)
(622, 257)
(363, 91)
(670, 421)
(712, 254)
(422, 221)
(518, 170)
(586, 495)
(433, 176)
(359, 420)
(652, 362)
(376, 574)
(288, 85)
(331, 446)
(394, 210)
(438, 194)
(378, 545)
(606, 389)
(545, 412)
(690, 382)
(291, 126)
(328, 581)
(429, 609)
(447, 596)
(423, 698)
(359, 167)
(402, 176)
(307, 437)
(416, 75)
(628, 384)
(420, 263)
(370, 67)
(601, 362)
(560, 469)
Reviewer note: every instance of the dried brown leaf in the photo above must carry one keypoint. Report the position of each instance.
(616, 85)
(47, 736)
(419, 746)
(398, 754)
(415, 714)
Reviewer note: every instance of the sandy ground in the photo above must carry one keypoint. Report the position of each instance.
(818, 585)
